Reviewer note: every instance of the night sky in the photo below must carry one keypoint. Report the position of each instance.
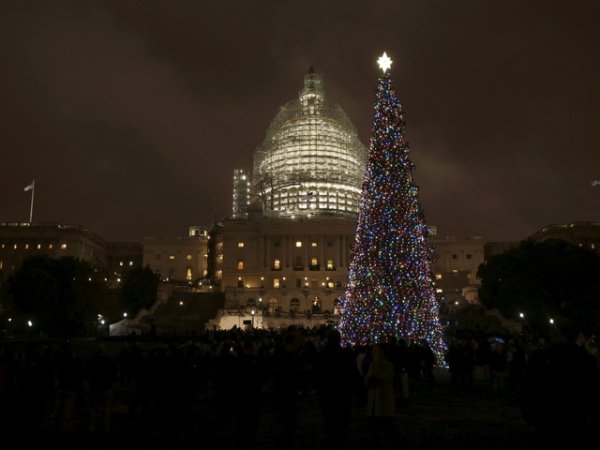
(131, 115)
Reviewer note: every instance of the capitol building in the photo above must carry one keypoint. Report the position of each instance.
(283, 255)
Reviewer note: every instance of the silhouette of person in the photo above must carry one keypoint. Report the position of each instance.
(69, 386)
(561, 393)
(248, 395)
(335, 374)
(101, 376)
(381, 398)
(286, 384)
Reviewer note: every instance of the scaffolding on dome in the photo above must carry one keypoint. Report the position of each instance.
(311, 162)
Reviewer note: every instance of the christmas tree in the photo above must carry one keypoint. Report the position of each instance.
(390, 293)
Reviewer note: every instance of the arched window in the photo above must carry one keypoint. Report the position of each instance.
(337, 306)
(298, 264)
(316, 305)
(240, 264)
(273, 305)
(276, 264)
(294, 305)
(314, 263)
(250, 305)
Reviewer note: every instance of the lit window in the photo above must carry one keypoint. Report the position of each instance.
(277, 264)
(275, 282)
(298, 243)
(189, 257)
(439, 291)
(330, 284)
(1, 265)
(314, 244)
(171, 257)
(240, 264)
(2, 245)
(39, 246)
(63, 246)
(188, 274)
(15, 246)
(26, 246)
(121, 263)
(438, 276)
(330, 264)
(130, 263)
(50, 246)
(241, 244)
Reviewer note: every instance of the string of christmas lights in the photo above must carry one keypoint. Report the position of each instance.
(391, 292)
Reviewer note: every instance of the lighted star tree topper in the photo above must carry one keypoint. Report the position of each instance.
(391, 292)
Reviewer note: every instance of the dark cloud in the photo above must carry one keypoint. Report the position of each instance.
(131, 115)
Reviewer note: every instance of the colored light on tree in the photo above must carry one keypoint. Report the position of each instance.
(391, 292)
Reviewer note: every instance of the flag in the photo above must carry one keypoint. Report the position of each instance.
(30, 186)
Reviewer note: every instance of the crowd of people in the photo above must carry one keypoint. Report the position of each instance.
(71, 386)
(556, 384)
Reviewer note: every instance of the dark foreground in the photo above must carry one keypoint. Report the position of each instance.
(435, 416)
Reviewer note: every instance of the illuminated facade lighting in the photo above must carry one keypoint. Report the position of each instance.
(241, 194)
(311, 162)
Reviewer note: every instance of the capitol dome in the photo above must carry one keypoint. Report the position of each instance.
(311, 162)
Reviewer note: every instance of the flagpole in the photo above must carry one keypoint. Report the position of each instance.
(31, 209)
(31, 187)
